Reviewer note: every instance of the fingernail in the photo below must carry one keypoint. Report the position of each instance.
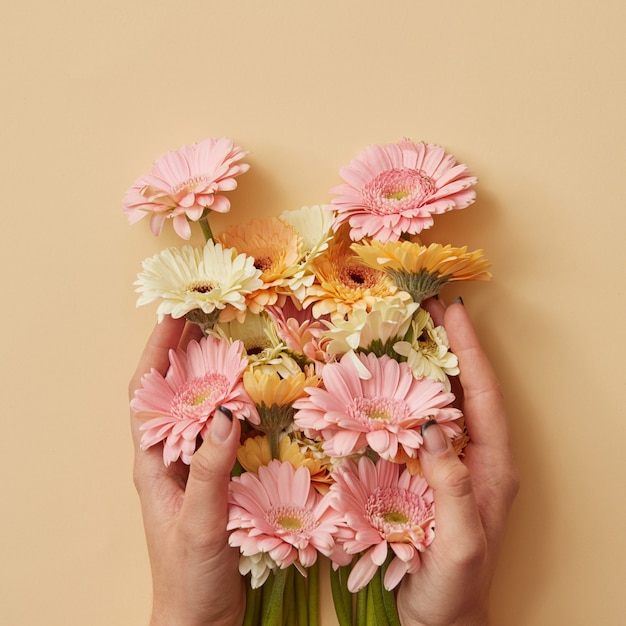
(220, 426)
(227, 412)
(458, 300)
(435, 440)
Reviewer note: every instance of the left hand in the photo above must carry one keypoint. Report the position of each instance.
(195, 574)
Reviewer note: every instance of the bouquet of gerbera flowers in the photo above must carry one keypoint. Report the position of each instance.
(314, 336)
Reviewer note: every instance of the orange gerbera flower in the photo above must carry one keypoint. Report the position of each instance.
(343, 283)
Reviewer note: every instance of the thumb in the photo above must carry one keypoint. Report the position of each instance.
(459, 529)
(205, 505)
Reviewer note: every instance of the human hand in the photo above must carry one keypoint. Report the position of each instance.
(473, 495)
(195, 574)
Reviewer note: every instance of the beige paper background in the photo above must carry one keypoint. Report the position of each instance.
(530, 94)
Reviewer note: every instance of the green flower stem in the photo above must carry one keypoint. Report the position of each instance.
(338, 598)
(253, 598)
(389, 597)
(274, 613)
(274, 440)
(206, 229)
(314, 594)
(266, 594)
(301, 599)
(344, 573)
(361, 607)
(376, 591)
(370, 616)
(289, 608)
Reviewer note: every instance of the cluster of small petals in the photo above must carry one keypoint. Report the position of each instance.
(297, 327)
(384, 412)
(184, 183)
(396, 189)
(314, 227)
(368, 331)
(208, 278)
(428, 353)
(264, 348)
(278, 512)
(384, 508)
(177, 408)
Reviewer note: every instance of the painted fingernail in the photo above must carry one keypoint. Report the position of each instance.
(221, 426)
(458, 300)
(227, 412)
(435, 440)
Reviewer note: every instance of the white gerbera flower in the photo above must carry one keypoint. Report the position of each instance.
(428, 353)
(314, 227)
(208, 278)
(369, 331)
(258, 565)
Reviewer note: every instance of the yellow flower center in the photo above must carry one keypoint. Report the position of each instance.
(290, 523)
(188, 185)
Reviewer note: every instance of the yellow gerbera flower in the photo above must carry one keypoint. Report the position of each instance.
(274, 397)
(255, 452)
(423, 270)
(270, 388)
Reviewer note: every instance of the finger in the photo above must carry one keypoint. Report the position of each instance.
(206, 496)
(155, 355)
(437, 309)
(164, 336)
(459, 531)
(484, 408)
(192, 332)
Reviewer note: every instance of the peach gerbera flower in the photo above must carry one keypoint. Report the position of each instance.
(422, 270)
(384, 509)
(184, 184)
(178, 407)
(278, 512)
(343, 283)
(395, 189)
(275, 247)
(384, 412)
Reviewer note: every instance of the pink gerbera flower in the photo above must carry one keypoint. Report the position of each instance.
(184, 183)
(384, 412)
(397, 188)
(180, 406)
(383, 508)
(278, 512)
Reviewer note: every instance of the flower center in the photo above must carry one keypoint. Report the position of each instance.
(197, 398)
(376, 412)
(263, 263)
(397, 190)
(398, 514)
(188, 185)
(357, 277)
(291, 520)
(200, 287)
